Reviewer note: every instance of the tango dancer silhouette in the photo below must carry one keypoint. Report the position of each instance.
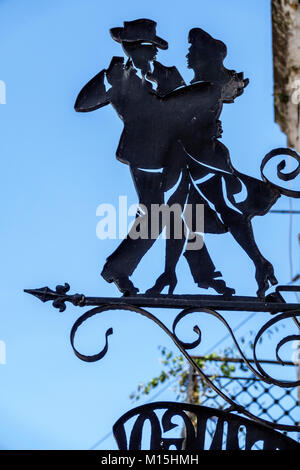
(170, 141)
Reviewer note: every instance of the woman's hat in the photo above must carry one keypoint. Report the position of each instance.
(141, 30)
(204, 40)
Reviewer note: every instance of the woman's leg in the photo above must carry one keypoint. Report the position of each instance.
(241, 229)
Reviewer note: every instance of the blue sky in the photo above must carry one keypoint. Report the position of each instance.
(57, 166)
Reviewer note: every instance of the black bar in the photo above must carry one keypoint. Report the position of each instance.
(236, 303)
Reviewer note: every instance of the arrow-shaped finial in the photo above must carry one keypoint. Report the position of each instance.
(59, 296)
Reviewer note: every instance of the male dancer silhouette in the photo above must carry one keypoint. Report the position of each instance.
(143, 144)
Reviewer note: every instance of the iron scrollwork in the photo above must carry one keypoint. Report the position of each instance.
(280, 174)
(183, 346)
(135, 305)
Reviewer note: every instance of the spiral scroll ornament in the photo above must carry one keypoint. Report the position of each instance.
(283, 176)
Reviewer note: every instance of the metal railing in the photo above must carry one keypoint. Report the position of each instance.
(266, 401)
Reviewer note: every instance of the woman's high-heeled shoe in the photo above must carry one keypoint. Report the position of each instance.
(164, 280)
(264, 275)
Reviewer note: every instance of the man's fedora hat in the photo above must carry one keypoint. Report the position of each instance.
(141, 30)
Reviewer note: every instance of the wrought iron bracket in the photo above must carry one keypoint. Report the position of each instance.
(203, 304)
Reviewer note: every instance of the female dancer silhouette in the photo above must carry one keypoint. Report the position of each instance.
(212, 175)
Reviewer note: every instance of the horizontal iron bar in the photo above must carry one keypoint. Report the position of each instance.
(273, 303)
(236, 303)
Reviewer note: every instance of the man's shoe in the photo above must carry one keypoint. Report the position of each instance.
(122, 282)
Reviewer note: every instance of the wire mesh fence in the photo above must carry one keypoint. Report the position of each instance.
(265, 401)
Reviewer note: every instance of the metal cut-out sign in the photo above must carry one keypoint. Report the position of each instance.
(171, 142)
